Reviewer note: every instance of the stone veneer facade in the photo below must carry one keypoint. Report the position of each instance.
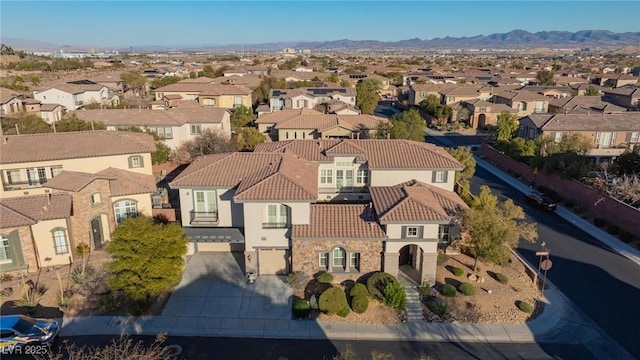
(304, 256)
(28, 256)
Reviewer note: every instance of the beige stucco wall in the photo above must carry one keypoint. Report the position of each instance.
(292, 134)
(230, 213)
(44, 243)
(337, 131)
(394, 177)
(17, 106)
(394, 231)
(274, 237)
(394, 246)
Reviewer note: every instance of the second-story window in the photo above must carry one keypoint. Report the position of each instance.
(412, 231)
(439, 176)
(196, 129)
(362, 177)
(237, 101)
(278, 216)
(326, 176)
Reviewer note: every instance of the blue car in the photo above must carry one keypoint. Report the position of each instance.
(17, 330)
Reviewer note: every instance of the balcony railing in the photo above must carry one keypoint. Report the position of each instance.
(344, 189)
(204, 217)
(19, 185)
(276, 225)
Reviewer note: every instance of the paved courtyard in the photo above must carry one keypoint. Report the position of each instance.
(213, 286)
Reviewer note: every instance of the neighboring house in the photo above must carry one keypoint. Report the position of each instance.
(35, 232)
(294, 76)
(11, 102)
(447, 93)
(51, 112)
(310, 124)
(31, 105)
(611, 134)
(554, 92)
(526, 102)
(483, 113)
(615, 80)
(74, 95)
(627, 96)
(174, 126)
(110, 80)
(582, 104)
(310, 98)
(348, 207)
(207, 94)
(29, 161)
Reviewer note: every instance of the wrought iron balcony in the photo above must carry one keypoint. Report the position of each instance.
(276, 225)
(204, 217)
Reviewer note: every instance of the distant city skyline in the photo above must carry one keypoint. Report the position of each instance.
(199, 23)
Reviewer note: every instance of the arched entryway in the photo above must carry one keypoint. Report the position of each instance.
(410, 261)
(482, 120)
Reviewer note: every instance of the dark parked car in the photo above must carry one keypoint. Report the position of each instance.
(17, 330)
(541, 201)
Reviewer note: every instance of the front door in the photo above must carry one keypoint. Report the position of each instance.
(96, 231)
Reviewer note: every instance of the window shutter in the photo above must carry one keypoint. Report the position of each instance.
(141, 160)
(420, 232)
(16, 249)
(404, 233)
(444, 177)
(433, 176)
(130, 162)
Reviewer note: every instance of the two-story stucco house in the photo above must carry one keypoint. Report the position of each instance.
(10, 102)
(348, 207)
(174, 126)
(208, 94)
(74, 95)
(310, 124)
(611, 134)
(526, 102)
(310, 98)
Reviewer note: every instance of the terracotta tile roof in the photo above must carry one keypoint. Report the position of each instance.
(198, 80)
(495, 108)
(74, 180)
(146, 117)
(324, 122)
(379, 154)
(414, 201)
(331, 221)
(223, 170)
(277, 117)
(124, 182)
(521, 95)
(73, 145)
(49, 107)
(627, 121)
(74, 88)
(7, 94)
(625, 91)
(219, 89)
(290, 178)
(35, 208)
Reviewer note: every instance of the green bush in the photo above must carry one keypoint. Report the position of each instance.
(526, 307)
(377, 283)
(437, 306)
(448, 290)
(332, 300)
(502, 278)
(467, 289)
(80, 277)
(599, 222)
(395, 296)
(458, 271)
(442, 259)
(344, 312)
(297, 280)
(359, 304)
(300, 309)
(626, 236)
(359, 289)
(613, 229)
(325, 277)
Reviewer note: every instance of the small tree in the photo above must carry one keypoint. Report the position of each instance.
(73, 123)
(367, 95)
(545, 78)
(247, 138)
(82, 251)
(495, 228)
(209, 142)
(242, 116)
(147, 260)
(507, 126)
(134, 80)
(464, 155)
(408, 125)
(591, 91)
(383, 130)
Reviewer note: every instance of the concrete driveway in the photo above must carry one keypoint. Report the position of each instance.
(213, 285)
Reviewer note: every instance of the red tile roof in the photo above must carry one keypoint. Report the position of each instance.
(27, 210)
(73, 145)
(331, 221)
(415, 201)
(124, 182)
(73, 180)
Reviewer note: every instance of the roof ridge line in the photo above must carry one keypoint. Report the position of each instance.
(19, 213)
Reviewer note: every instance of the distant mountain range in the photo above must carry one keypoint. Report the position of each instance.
(516, 39)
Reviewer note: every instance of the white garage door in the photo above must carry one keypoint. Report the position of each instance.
(273, 261)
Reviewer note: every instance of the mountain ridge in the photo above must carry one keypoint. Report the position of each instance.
(515, 39)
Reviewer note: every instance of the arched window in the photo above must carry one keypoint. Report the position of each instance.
(339, 256)
(60, 244)
(125, 209)
(5, 250)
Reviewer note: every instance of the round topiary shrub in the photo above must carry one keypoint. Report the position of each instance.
(448, 290)
(437, 306)
(377, 283)
(359, 304)
(442, 259)
(526, 307)
(344, 312)
(325, 277)
(502, 278)
(467, 289)
(332, 300)
(359, 290)
(300, 309)
(458, 271)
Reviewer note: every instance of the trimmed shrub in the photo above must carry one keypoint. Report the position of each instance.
(437, 306)
(502, 278)
(359, 289)
(613, 229)
(359, 304)
(467, 289)
(332, 300)
(325, 277)
(395, 296)
(442, 259)
(300, 309)
(344, 312)
(377, 283)
(458, 271)
(297, 280)
(599, 222)
(448, 290)
(526, 307)
(626, 236)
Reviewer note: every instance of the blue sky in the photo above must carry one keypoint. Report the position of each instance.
(131, 23)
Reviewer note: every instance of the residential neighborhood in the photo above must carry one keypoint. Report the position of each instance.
(341, 193)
